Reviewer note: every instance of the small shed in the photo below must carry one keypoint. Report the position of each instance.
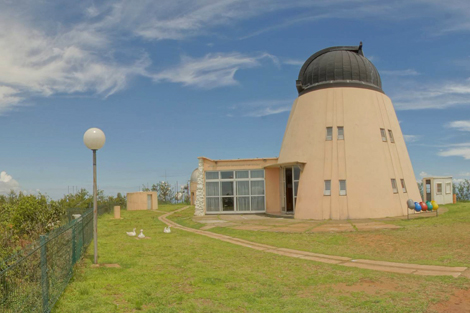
(142, 200)
(439, 189)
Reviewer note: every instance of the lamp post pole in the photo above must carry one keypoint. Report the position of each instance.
(95, 211)
(94, 139)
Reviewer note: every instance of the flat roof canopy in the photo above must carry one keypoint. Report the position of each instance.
(285, 164)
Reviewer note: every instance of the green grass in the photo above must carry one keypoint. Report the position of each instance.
(170, 207)
(185, 272)
(442, 240)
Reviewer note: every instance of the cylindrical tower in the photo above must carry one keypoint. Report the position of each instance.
(345, 132)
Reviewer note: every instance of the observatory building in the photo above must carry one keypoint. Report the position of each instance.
(343, 155)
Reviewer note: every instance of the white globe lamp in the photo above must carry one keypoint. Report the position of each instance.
(94, 139)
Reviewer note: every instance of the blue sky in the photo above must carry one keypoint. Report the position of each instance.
(156, 75)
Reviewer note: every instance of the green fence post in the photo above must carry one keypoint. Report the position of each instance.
(74, 246)
(44, 276)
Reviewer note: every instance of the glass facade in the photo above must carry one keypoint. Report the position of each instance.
(235, 191)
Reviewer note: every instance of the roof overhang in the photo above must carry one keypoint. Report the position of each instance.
(301, 164)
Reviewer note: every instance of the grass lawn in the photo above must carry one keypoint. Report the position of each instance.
(185, 272)
(442, 240)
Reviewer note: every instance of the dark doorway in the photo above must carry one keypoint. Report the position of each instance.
(289, 192)
(428, 190)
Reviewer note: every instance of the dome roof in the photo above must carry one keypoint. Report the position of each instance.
(194, 176)
(343, 66)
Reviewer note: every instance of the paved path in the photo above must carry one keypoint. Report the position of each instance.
(404, 268)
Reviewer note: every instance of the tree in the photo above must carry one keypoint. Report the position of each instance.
(165, 192)
(462, 190)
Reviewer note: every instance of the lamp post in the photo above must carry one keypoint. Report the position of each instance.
(94, 139)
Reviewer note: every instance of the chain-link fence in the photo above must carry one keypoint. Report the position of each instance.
(33, 279)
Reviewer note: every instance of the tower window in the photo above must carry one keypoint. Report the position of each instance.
(340, 133)
(342, 187)
(329, 133)
(327, 191)
(403, 186)
(384, 135)
(394, 185)
(390, 134)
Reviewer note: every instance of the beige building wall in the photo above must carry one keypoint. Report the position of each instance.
(362, 159)
(273, 190)
(142, 200)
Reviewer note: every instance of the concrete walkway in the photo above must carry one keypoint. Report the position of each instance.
(403, 268)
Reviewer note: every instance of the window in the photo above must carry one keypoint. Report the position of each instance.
(448, 188)
(342, 187)
(394, 185)
(226, 175)
(327, 191)
(384, 135)
(212, 175)
(439, 189)
(242, 174)
(390, 134)
(340, 133)
(257, 174)
(403, 186)
(329, 133)
(231, 191)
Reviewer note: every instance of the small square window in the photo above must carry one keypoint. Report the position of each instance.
(394, 186)
(384, 135)
(340, 133)
(448, 188)
(257, 174)
(342, 187)
(327, 191)
(212, 175)
(403, 186)
(242, 174)
(439, 189)
(329, 133)
(390, 134)
(226, 175)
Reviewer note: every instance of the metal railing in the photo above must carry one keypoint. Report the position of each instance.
(33, 279)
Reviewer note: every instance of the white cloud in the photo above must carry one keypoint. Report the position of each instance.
(424, 174)
(407, 72)
(459, 152)
(210, 71)
(416, 97)
(35, 62)
(7, 183)
(411, 138)
(262, 108)
(464, 174)
(293, 62)
(460, 125)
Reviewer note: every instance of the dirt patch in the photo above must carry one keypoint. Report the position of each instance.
(458, 302)
(367, 286)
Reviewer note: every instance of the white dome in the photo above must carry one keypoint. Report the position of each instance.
(194, 176)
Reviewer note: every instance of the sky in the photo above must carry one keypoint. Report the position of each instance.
(169, 81)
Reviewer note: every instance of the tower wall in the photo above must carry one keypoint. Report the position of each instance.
(362, 159)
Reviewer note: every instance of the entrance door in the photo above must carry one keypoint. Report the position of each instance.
(149, 202)
(428, 190)
(289, 191)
